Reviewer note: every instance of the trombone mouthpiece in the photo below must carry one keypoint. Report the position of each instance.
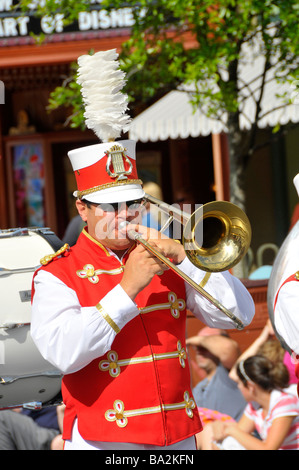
(131, 233)
(123, 224)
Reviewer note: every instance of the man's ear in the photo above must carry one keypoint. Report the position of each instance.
(82, 209)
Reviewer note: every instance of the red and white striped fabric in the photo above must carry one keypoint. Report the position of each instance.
(282, 403)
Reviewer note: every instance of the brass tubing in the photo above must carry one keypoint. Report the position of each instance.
(173, 267)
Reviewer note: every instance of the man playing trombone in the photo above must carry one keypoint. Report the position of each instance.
(112, 316)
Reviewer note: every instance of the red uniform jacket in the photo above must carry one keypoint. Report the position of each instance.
(139, 391)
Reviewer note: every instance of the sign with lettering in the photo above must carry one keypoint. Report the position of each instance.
(14, 23)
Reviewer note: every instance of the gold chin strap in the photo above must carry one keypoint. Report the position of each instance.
(81, 194)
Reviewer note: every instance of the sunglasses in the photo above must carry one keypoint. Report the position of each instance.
(115, 206)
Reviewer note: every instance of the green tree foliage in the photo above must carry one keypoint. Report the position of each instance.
(200, 42)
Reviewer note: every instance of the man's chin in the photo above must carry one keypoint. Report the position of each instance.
(120, 243)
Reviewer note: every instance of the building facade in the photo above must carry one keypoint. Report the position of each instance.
(36, 181)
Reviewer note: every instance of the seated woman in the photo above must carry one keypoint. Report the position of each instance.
(272, 411)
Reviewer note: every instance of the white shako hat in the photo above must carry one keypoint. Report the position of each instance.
(296, 183)
(105, 172)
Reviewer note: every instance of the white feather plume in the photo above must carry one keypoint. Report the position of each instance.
(101, 83)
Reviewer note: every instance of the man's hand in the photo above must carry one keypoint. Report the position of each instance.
(167, 246)
(140, 269)
(226, 349)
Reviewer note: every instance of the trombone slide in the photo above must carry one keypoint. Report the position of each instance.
(137, 237)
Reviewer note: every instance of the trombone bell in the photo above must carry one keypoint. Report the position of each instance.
(217, 236)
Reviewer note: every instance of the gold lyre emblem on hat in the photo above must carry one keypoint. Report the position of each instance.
(116, 159)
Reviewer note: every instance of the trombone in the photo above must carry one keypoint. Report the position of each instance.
(215, 238)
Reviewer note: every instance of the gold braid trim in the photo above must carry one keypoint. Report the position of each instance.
(46, 259)
(83, 193)
(108, 318)
(205, 280)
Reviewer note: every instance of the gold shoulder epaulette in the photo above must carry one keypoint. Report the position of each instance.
(48, 258)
